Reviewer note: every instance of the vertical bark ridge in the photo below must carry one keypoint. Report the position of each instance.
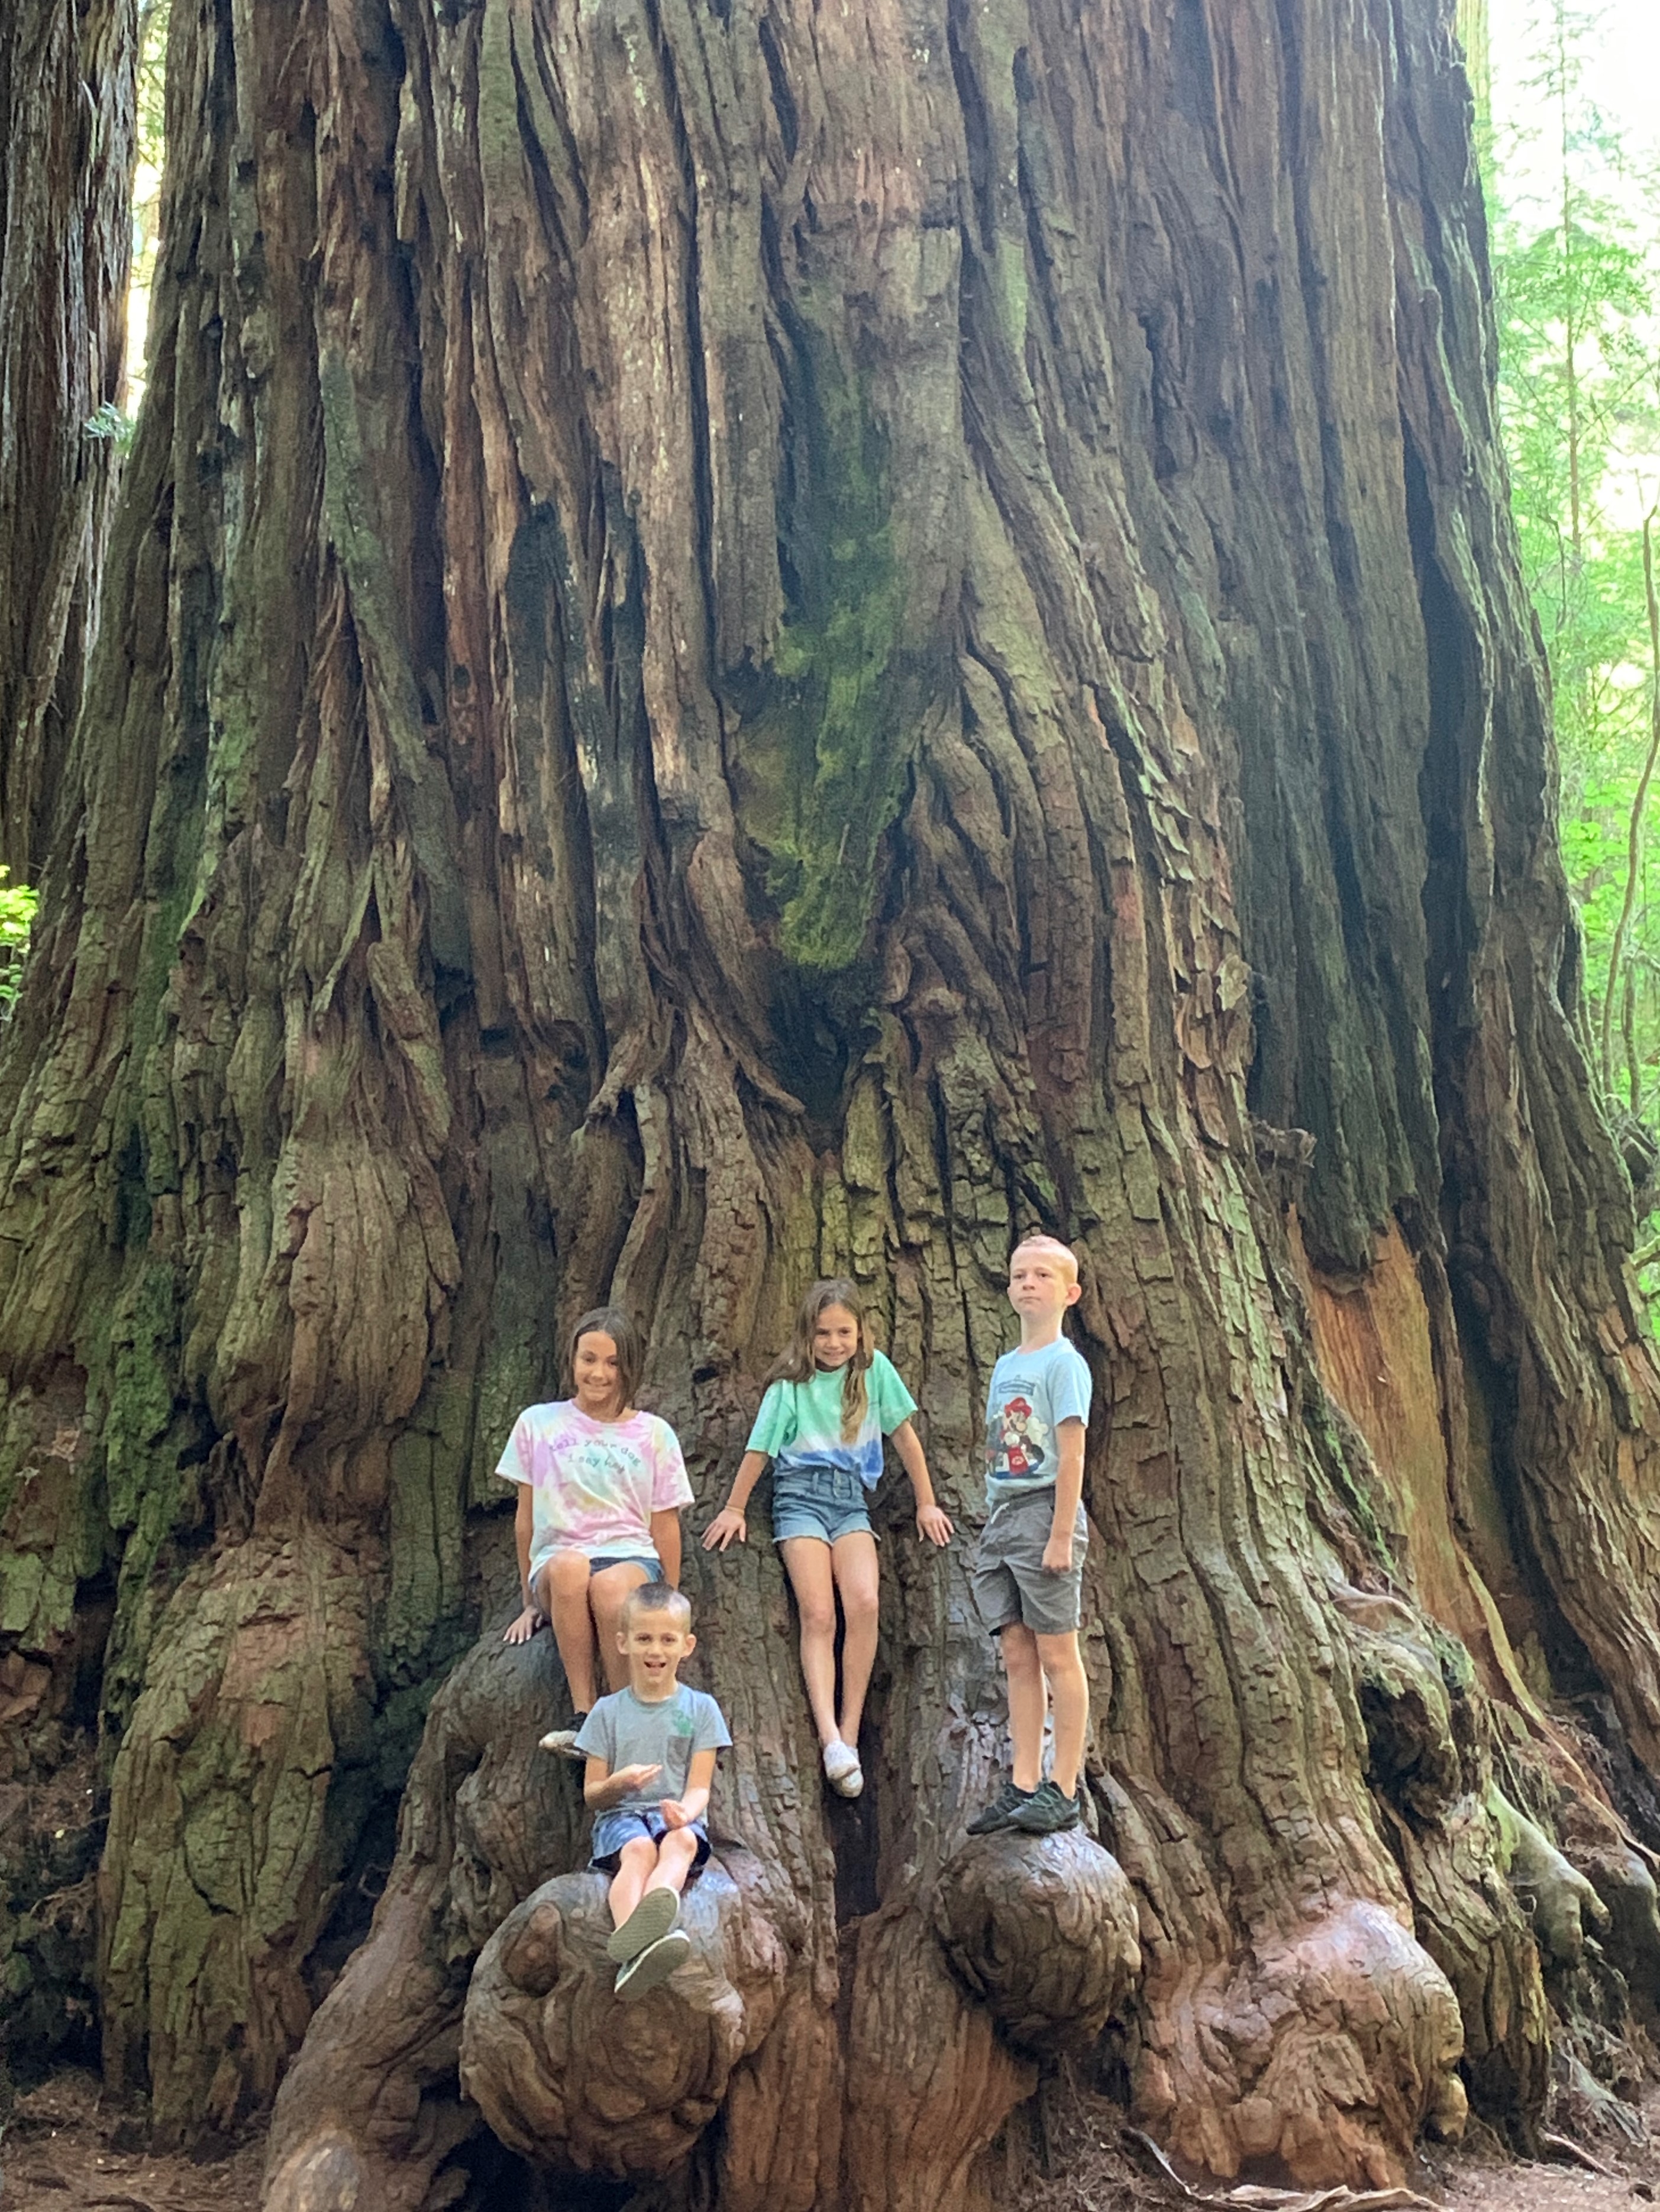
(67, 123)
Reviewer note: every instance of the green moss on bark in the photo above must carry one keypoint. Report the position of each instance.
(824, 758)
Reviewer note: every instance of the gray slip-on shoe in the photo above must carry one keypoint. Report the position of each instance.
(649, 1921)
(653, 1966)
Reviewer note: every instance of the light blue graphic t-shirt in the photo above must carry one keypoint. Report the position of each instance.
(1031, 1393)
(800, 1424)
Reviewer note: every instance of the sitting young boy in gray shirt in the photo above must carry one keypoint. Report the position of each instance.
(650, 1751)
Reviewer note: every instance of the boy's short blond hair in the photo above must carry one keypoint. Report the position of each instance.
(1040, 1240)
(656, 1597)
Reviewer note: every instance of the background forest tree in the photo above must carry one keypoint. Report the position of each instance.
(1577, 269)
(748, 641)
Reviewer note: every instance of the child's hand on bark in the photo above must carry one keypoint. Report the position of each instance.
(728, 1527)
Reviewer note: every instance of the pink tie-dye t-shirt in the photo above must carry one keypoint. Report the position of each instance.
(595, 1485)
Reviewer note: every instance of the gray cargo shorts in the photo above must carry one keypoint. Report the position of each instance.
(1010, 1582)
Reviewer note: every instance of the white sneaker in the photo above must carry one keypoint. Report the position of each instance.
(842, 1769)
(562, 1741)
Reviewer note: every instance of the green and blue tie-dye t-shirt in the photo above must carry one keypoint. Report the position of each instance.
(800, 1424)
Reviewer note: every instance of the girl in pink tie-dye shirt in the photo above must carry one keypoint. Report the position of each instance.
(601, 1486)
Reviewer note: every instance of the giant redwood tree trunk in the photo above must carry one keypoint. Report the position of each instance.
(754, 641)
(66, 154)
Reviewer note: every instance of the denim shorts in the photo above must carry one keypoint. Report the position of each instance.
(622, 1826)
(1009, 1580)
(598, 1562)
(826, 1501)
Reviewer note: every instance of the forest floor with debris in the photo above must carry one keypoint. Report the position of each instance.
(64, 2151)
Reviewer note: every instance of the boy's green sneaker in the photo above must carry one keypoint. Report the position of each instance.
(1046, 1812)
(649, 1921)
(1001, 1813)
(653, 1966)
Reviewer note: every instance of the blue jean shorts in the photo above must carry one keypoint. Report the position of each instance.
(598, 1562)
(623, 1826)
(826, 1501)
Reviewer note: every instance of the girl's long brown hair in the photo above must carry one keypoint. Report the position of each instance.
(798, 1364)
(611, 1322)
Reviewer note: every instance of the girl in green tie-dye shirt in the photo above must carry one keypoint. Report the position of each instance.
(831, 1400)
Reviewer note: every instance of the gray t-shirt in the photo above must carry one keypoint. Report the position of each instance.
(625, 1731)
(1031, 1393)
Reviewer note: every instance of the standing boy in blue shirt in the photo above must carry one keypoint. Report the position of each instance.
(1029, 1571)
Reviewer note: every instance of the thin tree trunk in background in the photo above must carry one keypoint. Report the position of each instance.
(66, 154)
(1571, 311)
(752, 640)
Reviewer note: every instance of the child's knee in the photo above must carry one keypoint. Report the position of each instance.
(567, 1572)
(1059, 1656)
(859, 1604)
(1020, 1655)
(817, 1614)
(639, 1854)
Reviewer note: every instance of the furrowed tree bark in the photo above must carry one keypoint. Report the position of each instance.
(66, 155)
(747, 642)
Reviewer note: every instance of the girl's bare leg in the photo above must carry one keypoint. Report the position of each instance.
(807, 1564)
(607, 1588)
(852, 1560)
(562, 1591)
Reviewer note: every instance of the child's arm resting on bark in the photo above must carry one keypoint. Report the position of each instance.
(1068, 1495)
(932, 1519)
(681, 1812)
(521, 1630)
(729, 1525)
(601, 1788)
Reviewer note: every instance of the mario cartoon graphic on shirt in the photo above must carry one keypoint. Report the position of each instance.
(1018, 1452)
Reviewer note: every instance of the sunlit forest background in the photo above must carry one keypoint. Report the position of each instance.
(1572, 178)
(1572, 168)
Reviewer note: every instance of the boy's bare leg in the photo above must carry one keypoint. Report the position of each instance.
(563, 1594)
(1027, 1701)
(606, 1590)
(1062, 1663)
(807, 1564)
(676, 1853)
(638, 1861)
(852, 1563)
